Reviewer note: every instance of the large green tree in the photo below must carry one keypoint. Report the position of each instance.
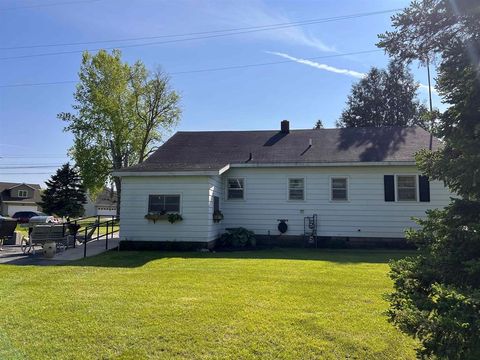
(436, 294)
(384, 98)
(121, 113)
(65, 193)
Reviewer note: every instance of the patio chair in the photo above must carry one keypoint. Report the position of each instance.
(7, 229)
(45, 233)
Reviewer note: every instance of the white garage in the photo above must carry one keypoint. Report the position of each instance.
(13, 208)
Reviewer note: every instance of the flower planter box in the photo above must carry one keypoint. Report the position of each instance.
(172, 218)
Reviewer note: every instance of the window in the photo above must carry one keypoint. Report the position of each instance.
(296, 189)
(163, 203)
(406, 188)
(339, 186)
(22, 193)
(216, 204)
(235, 188)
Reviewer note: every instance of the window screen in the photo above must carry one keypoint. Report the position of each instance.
(235, 188)
(407, 187)
(339, 189)
(163, 203)
(296, 189)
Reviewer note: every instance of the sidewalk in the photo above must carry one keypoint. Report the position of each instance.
(12, 254)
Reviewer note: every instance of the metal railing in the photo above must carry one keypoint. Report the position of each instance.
(89, 230)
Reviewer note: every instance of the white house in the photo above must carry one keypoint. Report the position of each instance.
(362, 183)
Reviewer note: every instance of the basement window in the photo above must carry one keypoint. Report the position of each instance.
(339, 189)
(235, 188)
(296, 189)
(164, 204)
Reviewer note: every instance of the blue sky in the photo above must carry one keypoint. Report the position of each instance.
(237, 99)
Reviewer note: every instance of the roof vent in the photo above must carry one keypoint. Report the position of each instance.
(285, 126)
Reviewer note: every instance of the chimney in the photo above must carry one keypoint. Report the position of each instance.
(285, 127)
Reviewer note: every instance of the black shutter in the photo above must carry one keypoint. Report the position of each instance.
(424, 185)
(389, 186)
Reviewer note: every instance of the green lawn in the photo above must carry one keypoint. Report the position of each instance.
(265, 304)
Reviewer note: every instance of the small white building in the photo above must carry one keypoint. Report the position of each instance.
(105, 204)
(362, 183)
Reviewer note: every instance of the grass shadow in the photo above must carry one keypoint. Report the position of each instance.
(133, 259)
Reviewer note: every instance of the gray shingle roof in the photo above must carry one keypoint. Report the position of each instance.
(212, 150)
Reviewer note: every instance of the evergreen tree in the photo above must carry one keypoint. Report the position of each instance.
(65, 193)
(436, 294)
(384, 98)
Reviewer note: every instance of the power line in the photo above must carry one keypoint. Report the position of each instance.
(195, 38)
(49, 5)
(209, 69)
(28, 156)
(27, 167)
(258, 28)
(22, 173)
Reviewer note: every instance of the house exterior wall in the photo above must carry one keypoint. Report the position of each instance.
(215, 188)
(194, 208)
(365, 214)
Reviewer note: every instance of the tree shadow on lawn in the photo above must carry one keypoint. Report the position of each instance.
(133, 259)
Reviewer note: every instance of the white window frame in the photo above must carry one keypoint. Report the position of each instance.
(22, 192)
(417, 195)
(330, 187)
(180, 205)
(304, 187)
(244, 188)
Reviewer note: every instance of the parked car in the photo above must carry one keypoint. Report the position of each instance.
(23, 217)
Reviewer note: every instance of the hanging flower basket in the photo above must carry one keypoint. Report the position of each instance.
(217, 216)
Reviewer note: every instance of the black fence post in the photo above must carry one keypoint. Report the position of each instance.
(106, 236)
(98, 227)
(85, 244)
(75, 235)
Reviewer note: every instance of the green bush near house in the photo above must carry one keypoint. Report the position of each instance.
(237, 238)
(264, 304)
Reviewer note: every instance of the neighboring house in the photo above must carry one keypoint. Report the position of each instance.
(19, 197)
(361, 182)
(105, 204)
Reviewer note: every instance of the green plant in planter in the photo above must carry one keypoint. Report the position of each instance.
(156, 216)
(174, 217)
(217, 216)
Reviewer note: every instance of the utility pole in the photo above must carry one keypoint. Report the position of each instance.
(431, 107)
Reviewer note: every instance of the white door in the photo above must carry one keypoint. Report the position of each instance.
(12, 209)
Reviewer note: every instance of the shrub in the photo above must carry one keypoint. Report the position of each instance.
(237, 238)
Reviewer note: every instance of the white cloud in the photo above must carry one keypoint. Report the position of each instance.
(255, 13)
(352, 73)
(425, 87)
(320, 66)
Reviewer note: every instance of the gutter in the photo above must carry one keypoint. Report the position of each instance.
(313, 164)
(258, 165)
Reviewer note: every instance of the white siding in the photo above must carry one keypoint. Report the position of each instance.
(215, 189)
(194, 208)
(365, 214)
